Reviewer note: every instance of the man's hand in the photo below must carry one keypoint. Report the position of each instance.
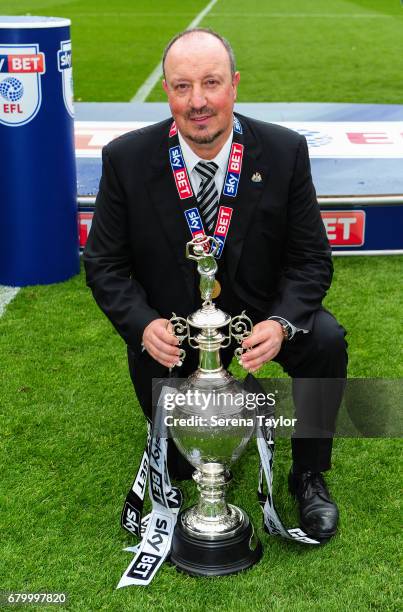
(160, 342)
(266, 340)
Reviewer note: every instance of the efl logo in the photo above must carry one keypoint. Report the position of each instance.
(344, 228)
(21, 67)
(234, 170)
(180, 173)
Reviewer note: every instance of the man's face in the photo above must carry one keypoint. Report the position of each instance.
(201, 91)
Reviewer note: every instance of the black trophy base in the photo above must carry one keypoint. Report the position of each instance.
(220, 556)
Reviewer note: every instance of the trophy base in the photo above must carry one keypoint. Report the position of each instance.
(218, 556)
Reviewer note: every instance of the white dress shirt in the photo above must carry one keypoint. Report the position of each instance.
(191, 159)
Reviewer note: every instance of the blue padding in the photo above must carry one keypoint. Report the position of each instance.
(38, 215)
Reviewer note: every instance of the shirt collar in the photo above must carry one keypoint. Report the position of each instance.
(191, 159)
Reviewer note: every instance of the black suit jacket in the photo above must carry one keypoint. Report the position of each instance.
(276, 261)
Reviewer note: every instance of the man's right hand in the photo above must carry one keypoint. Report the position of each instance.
(160, 343)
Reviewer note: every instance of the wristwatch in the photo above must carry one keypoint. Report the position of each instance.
(285, 326)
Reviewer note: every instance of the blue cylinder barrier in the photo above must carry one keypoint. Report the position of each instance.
(38, 200)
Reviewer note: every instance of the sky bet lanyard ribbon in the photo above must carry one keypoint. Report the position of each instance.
(157, 527)
(133, 506)
(229, 192)
(272, 521)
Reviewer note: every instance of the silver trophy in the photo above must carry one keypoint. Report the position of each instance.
(211, 429)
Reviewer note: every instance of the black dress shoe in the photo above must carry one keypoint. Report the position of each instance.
(319, 515)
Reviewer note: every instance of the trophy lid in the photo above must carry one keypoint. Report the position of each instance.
(209, 317)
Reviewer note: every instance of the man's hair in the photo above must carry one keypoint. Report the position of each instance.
(223, 40)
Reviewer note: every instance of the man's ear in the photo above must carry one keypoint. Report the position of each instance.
(165, 86)
(235, 81)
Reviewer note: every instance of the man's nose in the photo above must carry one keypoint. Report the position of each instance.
(198, 98)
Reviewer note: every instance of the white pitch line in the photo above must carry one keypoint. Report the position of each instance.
(308, 15)
(151, 81)
(6, 295)
(250, 15)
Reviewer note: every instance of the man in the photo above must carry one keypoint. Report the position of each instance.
(276, 261)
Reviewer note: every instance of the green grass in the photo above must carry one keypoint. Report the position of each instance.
(288, 51)
(309, 58)
(72, 434)
(115, 44)
(366, 296)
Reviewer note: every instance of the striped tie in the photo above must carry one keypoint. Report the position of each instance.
(207, 196)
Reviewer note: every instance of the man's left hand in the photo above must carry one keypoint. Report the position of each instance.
(265, 343)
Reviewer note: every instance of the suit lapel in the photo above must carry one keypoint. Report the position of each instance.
(170, 210)
(249, 194)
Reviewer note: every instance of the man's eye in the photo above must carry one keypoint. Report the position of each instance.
(181, 86)
(211, 83)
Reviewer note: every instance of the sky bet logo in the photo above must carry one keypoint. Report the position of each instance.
(234, 170)
(222, 227)
(26, 64)
(64, 59)
(195, 224)
(344, 228)
(131, 519)
(64, 65)
(180, 173)
(144, 567)
(194, 221)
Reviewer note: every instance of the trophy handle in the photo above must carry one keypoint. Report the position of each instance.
(180, 331)
(227, 341)
(192, 340)
(240, 328)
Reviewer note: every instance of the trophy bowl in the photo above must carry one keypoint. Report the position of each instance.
(215, 425)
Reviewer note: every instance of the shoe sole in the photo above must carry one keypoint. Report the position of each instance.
(322, 539)
(318, 536)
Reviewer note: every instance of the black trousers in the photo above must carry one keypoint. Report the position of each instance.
(317, 363)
